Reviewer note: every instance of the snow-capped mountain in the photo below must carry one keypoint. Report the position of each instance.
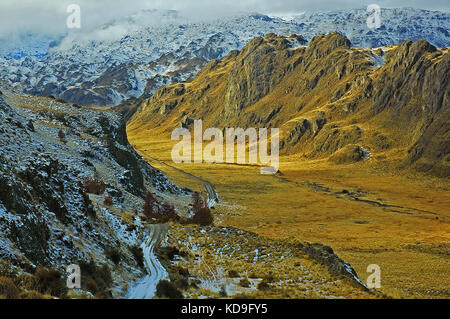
(397, 25)
(132, 57)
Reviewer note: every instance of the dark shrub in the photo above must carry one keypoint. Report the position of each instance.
(223, 292)
(244, 282)
(92, 286)
(183, 272)
(108, 201)
(61, 135)
(101, 276)
(166, 289)
(203, 217)
(113, 254)
(94, 185)
(202, 214)
(167, 212)
(168, 252)
(233, 274)
(182, 283)
(50, 281)
(149, 200)
(8, 289)
(138, 255)
(263, 285)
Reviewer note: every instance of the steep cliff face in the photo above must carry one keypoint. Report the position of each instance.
(412, 97)
(390, 104)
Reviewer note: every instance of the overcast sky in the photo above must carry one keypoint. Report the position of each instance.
(50, 15)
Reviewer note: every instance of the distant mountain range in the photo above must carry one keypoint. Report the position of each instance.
(131, 57)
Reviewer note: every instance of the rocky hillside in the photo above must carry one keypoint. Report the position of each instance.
(71, 192)
(330, 100)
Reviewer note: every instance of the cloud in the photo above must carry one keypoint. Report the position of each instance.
(49, 16)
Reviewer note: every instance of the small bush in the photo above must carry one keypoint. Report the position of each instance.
(168, 252)
(203, 217)
(94, 185)
(113, 254)
(263, 285)
(50, 281)
(183, 272)
(223, 292)
(101, 276)
(26, 282)
(233, 274)
(167, 212)
(6, 269)
(61, 135)
(166, 289)
(92, 286)
(202, 214)
(138, 255)
(149, 201)
(108, 201)
(8, 289)
(182, 283)
(244, 282)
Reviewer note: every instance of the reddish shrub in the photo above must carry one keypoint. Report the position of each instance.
(61, 135)
(108, 201)
(167, 211)
(150, 200)
(94, 185)
(202, 214)
(197, 202)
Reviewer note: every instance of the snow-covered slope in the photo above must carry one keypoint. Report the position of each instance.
(47, 215)
(132, 57)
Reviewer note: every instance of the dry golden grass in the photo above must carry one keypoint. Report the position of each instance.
(370, 212)
(211, 258)
(409, 237)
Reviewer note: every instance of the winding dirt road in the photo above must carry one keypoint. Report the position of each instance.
(212, 196)
(145, 288)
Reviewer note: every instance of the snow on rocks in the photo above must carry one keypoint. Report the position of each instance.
(47, 217)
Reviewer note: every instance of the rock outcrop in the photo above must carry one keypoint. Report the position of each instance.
(324, 97)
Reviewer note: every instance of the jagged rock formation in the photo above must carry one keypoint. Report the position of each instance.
(389, 104)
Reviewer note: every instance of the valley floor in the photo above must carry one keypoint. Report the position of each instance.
(399, 221)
